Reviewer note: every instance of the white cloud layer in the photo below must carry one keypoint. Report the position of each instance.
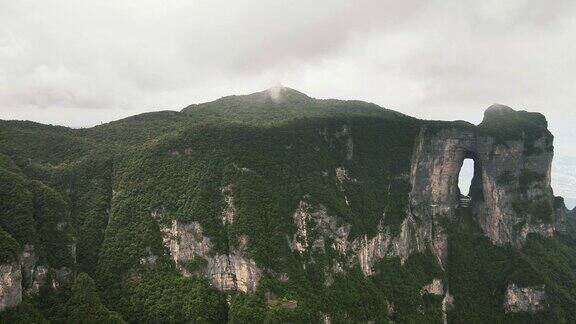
(80, 63)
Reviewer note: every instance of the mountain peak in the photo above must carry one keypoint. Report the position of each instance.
(279, 93)
(275, 92)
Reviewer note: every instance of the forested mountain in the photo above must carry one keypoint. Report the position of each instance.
(277, 207)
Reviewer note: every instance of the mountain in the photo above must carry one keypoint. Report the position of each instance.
(278, 207)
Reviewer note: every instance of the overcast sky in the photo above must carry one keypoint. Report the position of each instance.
(80, 63)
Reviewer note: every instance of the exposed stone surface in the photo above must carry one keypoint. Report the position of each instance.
(436, 163)
(384, 245)
(10, 285)
(234, 271)
(185, 241)
(26, 276)
(391, 311)
(343, 175)
(526, 299)
(326, 318)
(300, 240)
(447, 305)
(565, 219)
(149, 259)
(316, 217)
(229, 212)
(62, 275)
(500, 168)
(364, 250)
(436, 287)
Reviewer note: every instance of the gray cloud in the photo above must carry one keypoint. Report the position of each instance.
(80, 63)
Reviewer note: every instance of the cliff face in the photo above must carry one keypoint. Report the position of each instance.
(26, 276)
(511, 195)
(193, 253)
(524, 299)
(10, 285)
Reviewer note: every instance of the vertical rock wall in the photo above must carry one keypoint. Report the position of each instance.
(193, 252)
(10, 285)
(508, 173)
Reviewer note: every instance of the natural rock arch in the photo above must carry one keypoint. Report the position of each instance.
(499, 187)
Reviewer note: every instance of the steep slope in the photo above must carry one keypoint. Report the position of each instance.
(279, 207)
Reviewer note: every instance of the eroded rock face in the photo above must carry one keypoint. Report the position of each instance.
(10, 285)
(527, 299)
(193, 253)
(229, 211)
(385, 245)
(25, 277)
(149, 259)
(364, 250)
(316, 218)
(510, 176)
(436, 287)
(343, 175)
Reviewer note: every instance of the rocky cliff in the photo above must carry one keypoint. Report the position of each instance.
(10, 285)
(511, 195)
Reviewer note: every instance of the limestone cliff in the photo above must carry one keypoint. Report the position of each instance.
(524, 299)
(511, 194)
(26, 276)
(193, 253)
(10, 285)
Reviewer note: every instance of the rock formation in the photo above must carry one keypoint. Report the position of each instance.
(26, 276)
(524, 299)
(10, 285)
(511, 193)
(192, 252)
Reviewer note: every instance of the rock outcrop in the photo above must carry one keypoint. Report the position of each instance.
(229, 211)
(511, 192)
(436, 287)
(323, 225)
(193, 253)
(385, 245)
(364, 250)
(10, 285)
(524, 299)
(26, 276)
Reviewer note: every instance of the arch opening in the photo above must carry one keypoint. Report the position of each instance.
(465, 177)
(470, 182)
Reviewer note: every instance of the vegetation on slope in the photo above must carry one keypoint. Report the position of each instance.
(98, 188)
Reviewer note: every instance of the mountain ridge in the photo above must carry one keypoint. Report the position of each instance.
(294, 209)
